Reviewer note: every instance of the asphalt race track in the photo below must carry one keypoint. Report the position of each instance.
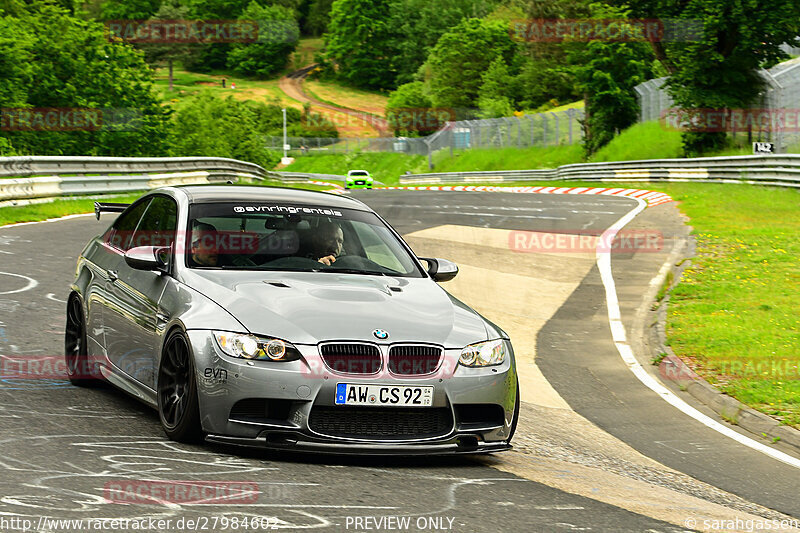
(595, 449)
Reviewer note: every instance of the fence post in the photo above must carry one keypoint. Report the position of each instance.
(558, 141)
(571, 114)
(544, 129)
(533, 129)
(430, 154)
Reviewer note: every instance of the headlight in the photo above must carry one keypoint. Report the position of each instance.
(486, 353)
(258, 348)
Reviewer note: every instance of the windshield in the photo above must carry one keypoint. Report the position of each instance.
(295, 238)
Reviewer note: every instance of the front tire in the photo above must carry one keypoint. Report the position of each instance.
(178, 407)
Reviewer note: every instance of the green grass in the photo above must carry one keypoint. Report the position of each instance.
(306, 49)
(647, 140)
(348, 97)
(57, 208)
(733, 317)
(506, 158)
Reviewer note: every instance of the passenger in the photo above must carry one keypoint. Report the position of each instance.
(204, 250)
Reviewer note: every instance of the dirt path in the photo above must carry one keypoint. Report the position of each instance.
(349, 122)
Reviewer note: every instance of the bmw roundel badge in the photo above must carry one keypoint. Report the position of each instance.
(381, 334)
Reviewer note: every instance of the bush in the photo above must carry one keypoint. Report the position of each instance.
(409, 112)
(212, 127)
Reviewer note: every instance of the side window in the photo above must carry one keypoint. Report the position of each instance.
(121, 232)
(158, 224)
(376, 248)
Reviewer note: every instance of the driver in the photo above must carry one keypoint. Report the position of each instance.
(326, 243)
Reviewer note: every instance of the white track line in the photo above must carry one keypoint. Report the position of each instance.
(32, 283)
(625, 351)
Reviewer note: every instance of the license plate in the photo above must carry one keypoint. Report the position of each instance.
(393, 395)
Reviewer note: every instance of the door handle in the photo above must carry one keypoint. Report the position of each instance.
(112, 275)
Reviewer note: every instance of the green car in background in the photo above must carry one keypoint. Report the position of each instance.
(358, 179)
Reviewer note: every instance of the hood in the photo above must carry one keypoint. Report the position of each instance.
(310, 307)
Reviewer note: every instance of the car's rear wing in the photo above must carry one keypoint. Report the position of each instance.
(108, 207)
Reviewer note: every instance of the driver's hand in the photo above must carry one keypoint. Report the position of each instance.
(327, 260)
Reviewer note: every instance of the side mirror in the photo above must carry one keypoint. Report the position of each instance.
(440, 269)
(154, 258)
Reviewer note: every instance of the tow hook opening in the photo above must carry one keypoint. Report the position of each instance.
(468, 443)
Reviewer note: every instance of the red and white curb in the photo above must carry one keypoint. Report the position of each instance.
(336, 186)
(652, 198)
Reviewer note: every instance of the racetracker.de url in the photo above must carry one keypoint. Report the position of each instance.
(199, 523)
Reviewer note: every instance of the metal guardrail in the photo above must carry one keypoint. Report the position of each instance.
(305, 176)
(51, 176)
(779, 170)
(302, 176)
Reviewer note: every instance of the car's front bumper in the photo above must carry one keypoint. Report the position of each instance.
(459, 444)
(302, 386)
(358, 184)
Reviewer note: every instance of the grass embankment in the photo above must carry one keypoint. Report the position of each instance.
(733, 317)
(347, 97)
(187, 84)
(57, 208)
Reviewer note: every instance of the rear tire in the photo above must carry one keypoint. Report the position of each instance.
(178, 406)
(75, 346)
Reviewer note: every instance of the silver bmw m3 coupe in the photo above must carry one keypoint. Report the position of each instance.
(286, 319)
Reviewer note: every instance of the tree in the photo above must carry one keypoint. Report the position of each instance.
(606, 73)
(156, 53)
(359, 42)
(216, 127)
(544, 75)
(215, 55)
(319, 16)
(278, 33)
(455, 65)
(418, 25)
(128, 9)
(71, 64)
(497, 91)
(716, 66)
(408, 110)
